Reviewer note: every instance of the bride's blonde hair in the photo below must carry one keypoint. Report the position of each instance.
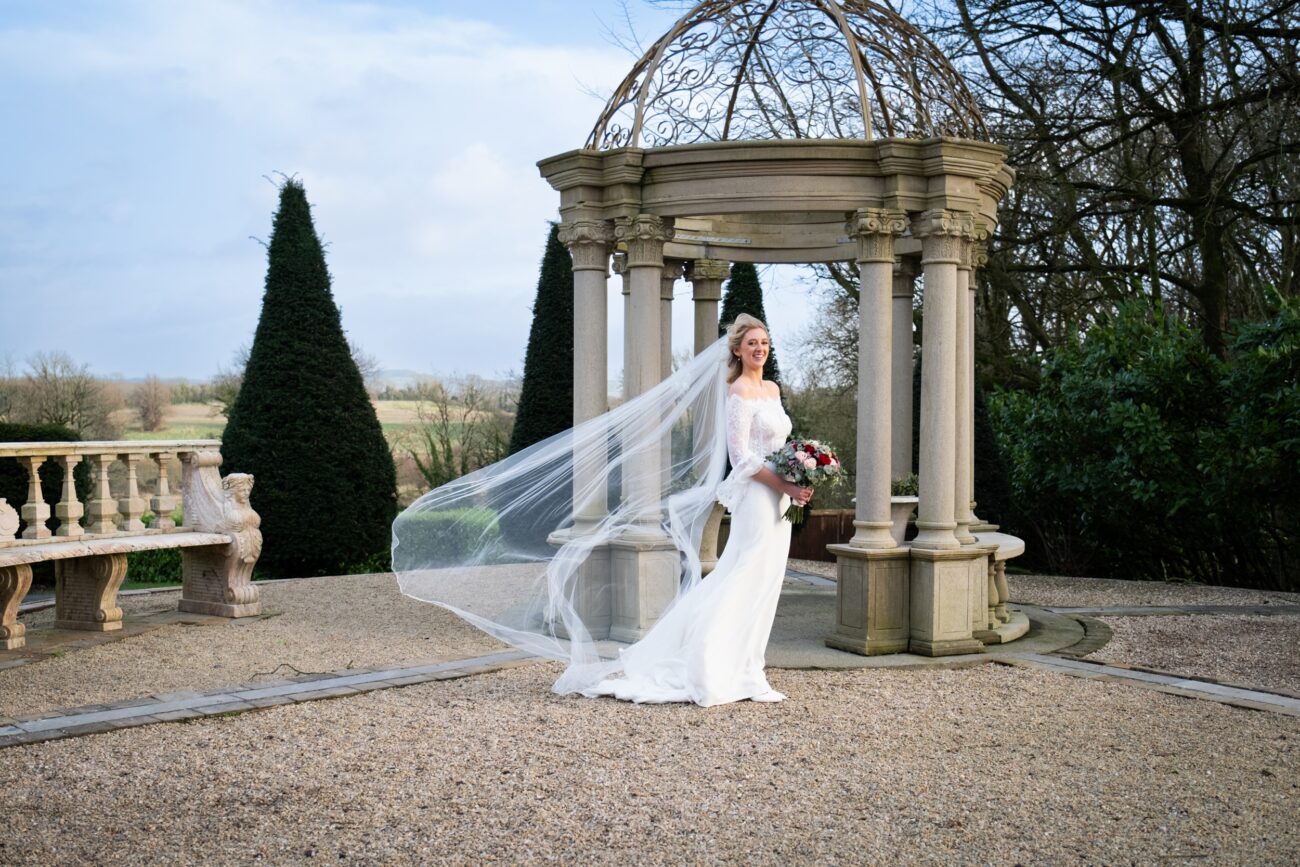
(735, 334)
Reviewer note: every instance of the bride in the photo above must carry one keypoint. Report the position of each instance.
(520, 548)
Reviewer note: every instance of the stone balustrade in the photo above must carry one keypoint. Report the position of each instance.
(89, 541)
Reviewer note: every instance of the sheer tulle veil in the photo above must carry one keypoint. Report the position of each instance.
(510, 548)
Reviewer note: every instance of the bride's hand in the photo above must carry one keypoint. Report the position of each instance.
(799, 495)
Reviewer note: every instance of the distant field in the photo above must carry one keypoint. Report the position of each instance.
(200, 421)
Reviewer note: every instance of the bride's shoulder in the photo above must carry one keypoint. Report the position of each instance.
(748, 391)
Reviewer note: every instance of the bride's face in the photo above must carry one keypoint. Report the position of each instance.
(754, 349)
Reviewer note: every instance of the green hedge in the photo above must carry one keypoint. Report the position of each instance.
(1143, 456)
(448, 537)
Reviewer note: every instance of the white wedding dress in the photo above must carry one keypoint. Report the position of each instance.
(709, 647)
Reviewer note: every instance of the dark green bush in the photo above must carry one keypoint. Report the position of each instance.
(13, 475)
(1143, 456)
(441, 538)
(303, 424)
(546, 394)
(154, 567)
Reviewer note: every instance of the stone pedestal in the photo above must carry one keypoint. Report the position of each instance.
(592, 591)
(645, 573)
(86, 592)
(941, 603)
(872, 612)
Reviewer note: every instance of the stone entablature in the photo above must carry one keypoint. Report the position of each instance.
(778, 201)
(219, 534)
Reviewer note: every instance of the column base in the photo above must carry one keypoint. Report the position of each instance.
(874, 535)
(935, 537)
(955, 647)
(871, 600)
(645, 574)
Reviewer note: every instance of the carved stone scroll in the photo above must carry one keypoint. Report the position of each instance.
(86, 592)
(15, 581)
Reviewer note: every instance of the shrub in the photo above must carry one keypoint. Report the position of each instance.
(303, 423)
(546, 395)
(433, 539)
(1143, 456)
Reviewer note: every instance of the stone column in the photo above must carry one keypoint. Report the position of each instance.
(36, 512)
(943, 235)
(875, 230)
(900, 451)
(644, 564)
(667, 280)
(645, 236)
(588, 242)
(941, 599)
(706, 276)
(963, 415)
(620, 268)
(979, 257)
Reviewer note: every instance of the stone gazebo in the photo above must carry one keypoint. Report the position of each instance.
(805, 131)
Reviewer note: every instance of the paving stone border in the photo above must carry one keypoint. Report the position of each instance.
(174, 706)
(1096, 635)
(1187, 687)
(1177, 610)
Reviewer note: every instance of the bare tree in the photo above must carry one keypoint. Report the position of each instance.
(151, 399)
(458, 432)
(1155, 142)
(56, 390)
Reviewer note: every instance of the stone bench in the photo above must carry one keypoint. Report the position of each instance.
(218, 538)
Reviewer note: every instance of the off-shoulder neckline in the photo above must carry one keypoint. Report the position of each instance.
(732, 394)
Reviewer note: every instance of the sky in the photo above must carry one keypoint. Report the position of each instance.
(143, 140)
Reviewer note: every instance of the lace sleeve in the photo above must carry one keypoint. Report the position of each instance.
(744, 460)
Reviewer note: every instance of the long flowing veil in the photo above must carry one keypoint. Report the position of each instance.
(521, 548)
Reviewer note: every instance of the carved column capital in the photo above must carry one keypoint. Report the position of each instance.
(588, 242)
(875, 230)
(944, 235)
(978, 251)
(905, 271)
(645, 236)
(673, 269)
(708, 269)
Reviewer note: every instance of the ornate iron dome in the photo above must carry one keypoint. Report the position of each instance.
(788, 69)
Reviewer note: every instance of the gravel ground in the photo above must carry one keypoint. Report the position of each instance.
(321, 624)
(984, 765)
(1055, 590)
(1262, 652)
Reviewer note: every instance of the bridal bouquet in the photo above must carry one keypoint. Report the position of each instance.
(807, 462)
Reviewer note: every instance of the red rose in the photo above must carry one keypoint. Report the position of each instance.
(823, 460)
(810, 450)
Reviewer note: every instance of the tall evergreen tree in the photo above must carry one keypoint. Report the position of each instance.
(303, 424)
(744, 295)
(546, 396)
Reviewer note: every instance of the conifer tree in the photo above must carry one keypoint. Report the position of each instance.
(303, 424)
(546, 395)
(744, 295)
